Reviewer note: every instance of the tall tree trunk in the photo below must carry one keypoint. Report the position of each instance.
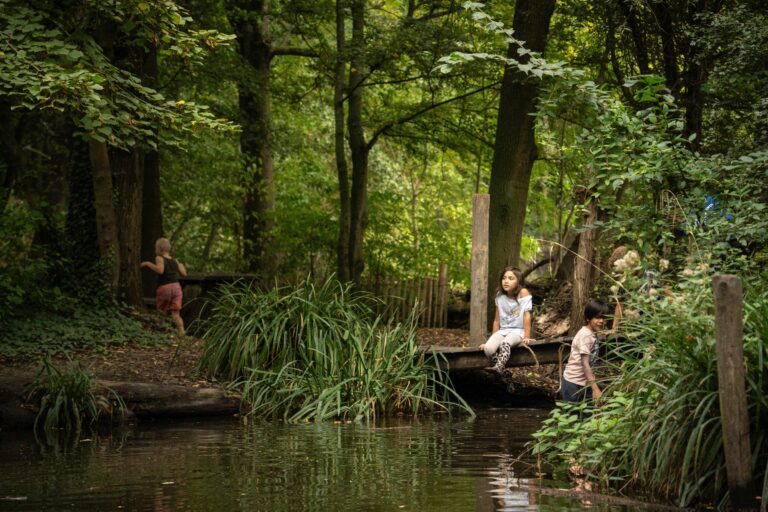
(663, 16)
(640, 45)
(151, 218)
(106, 220)
(10, 151)
(127, 167)
(252, 31)
(343, 247)
(82, 238)
(515, 147)
(209, 243)
(696, 72)
(582, 268)
(359, 148)
(151, 209)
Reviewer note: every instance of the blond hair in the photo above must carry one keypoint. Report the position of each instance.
(162, 245)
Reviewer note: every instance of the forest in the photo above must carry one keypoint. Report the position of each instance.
(319, 141)
(295, 138)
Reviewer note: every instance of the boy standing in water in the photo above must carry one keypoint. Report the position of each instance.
(168, 270)
(579, 382)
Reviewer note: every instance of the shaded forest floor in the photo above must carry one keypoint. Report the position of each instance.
(177, 362)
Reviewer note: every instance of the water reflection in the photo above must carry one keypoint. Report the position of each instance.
(397, 464)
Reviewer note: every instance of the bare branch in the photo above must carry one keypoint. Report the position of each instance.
(381, 131)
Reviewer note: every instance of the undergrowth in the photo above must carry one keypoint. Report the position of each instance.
(82, 327)
(658, 428)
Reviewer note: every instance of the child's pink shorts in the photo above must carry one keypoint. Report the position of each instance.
(168, 297)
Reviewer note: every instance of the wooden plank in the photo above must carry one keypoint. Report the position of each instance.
(435, 301)
(397, 301)
(387, 297)
(479, 268)
(733, 396)
(472, 358)
(442, 295)
(428, 301)
(423, 302)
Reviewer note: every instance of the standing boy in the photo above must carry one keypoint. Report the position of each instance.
(579, 382)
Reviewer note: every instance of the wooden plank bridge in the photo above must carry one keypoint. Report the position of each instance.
(472, 358)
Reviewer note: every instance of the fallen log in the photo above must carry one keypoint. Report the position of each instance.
(142, 399)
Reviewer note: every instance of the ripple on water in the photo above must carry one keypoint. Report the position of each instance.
(396, 464)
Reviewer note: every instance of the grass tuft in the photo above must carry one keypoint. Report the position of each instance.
(67, 398)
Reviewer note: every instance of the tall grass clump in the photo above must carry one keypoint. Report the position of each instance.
(65, 399)
(319, 352)
(659, 428)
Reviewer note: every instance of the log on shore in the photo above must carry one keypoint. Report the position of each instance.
(142, 399)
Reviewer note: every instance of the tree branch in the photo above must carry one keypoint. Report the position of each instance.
(295, 51)
(381, 131)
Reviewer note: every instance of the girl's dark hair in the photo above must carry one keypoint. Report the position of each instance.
(595, 309)
(520, 283)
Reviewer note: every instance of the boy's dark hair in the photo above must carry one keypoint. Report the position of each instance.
(595, 309)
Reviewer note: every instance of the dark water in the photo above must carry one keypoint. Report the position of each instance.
(438, 464)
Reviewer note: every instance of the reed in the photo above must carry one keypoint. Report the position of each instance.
(67, 398)
(320, 352)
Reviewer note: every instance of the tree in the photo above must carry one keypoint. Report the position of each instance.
(515, 146)
(251, 21)
(392, 85)
(87, 68)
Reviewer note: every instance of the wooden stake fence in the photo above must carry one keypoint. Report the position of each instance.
(429, 295)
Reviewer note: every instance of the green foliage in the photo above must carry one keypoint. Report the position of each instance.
(202, 202)
(20, 274)
(736, 41)
(574, 432)
(659, 429)
(420, 215)
(634, 160)
(47, 65)
(319, 352)
(80, 326)
(65, 399)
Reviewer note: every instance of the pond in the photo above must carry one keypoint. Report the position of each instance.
(437, 464)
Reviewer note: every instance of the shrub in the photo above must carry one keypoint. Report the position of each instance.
(20, 272)
(659, 428)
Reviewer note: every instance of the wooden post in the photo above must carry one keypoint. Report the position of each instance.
(442, 294)
(478, 309)
(430, 301)
(408, 306)
(398, 301)
(387, 296)
(423, 302)
(733, 397)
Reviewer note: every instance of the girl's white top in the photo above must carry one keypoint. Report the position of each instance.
(512, 312)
